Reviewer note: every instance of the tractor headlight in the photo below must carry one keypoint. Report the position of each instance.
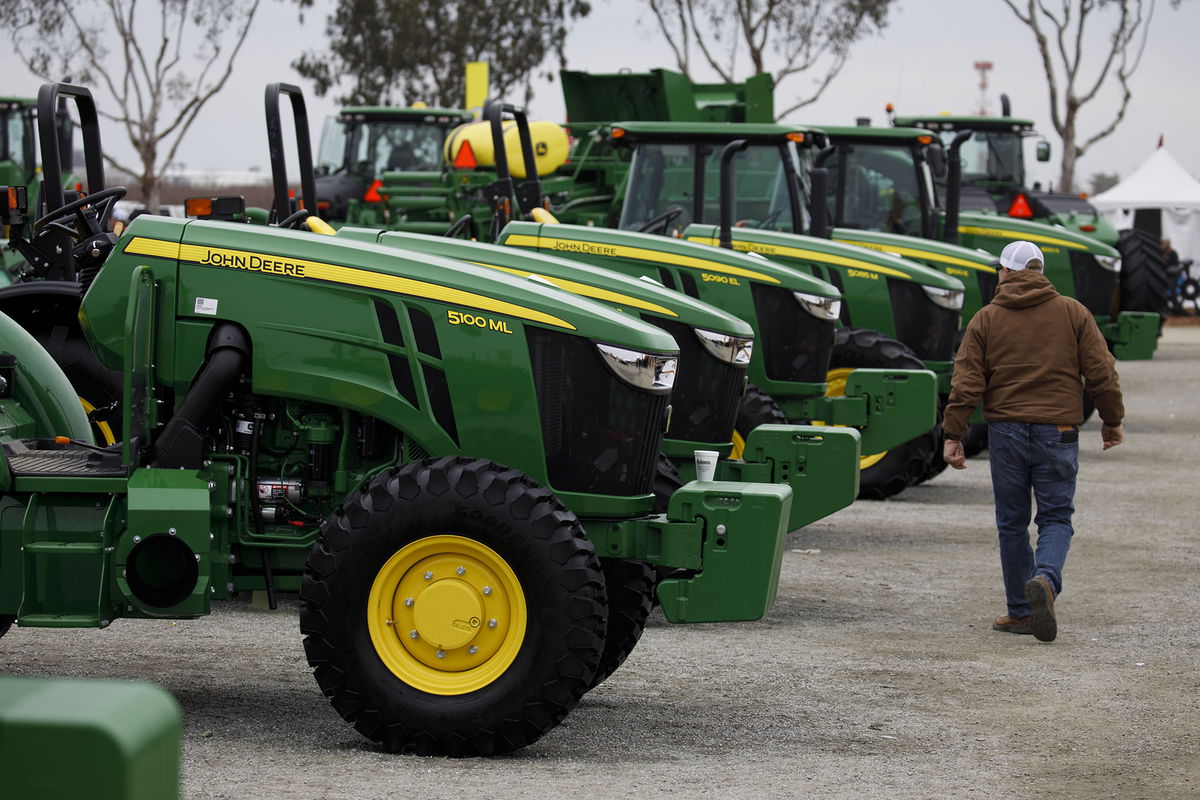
(725, 347)
(651, 372)
(819, 306)
(946, 298)
(1110, 263)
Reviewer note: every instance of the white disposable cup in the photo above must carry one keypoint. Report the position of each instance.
(706, 464)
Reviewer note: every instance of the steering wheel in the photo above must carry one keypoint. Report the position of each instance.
(104, 202)
(294, 219)
(663, 221)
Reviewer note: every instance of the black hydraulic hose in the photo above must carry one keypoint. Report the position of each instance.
(954, 186)
(728, 189)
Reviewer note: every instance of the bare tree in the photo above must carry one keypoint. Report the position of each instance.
(166, 63)
(799, 35)
(1060, 30)
(418, 49)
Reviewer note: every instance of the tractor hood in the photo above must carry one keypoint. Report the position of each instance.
(824, 251)
(715, 263)
(950, 257)
(630, 295)
(255, 259)
(1041, 234)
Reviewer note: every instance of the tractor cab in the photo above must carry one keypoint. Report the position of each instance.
(360, 144)
(674, 175)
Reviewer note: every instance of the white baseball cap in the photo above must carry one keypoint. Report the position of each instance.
(1016, 255)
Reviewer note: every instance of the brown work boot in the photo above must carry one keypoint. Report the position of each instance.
(1010, 625)
(1040, 595)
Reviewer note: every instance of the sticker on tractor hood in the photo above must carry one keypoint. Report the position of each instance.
(333, 273)
(808, 255)
(637, 253)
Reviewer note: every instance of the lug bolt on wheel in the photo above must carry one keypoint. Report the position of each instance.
(491, 623)
(428, 576)
(460, 571)
(414, 635)
(487, 590)
(408, 602)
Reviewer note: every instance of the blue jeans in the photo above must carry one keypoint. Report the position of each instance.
(1027, 456)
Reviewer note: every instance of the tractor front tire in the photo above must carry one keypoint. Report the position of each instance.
(453, 607)
(1145, 278)
(886, 474)
(757, 408)
(631, 587)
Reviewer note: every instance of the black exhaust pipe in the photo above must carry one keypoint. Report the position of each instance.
(954, 186)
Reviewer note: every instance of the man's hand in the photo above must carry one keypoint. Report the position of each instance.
(955, 456)
(1112, 435)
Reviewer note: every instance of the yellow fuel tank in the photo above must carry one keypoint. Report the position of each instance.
(550, 145)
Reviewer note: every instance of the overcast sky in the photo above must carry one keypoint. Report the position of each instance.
(923, 62)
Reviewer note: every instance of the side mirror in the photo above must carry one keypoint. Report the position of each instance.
(1043, 150)
(937, 160)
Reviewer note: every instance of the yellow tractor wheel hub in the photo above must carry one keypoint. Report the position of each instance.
(447, 615)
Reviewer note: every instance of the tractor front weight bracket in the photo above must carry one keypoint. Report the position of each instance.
(729, 537)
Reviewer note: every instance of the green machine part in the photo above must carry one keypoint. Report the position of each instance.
(820, 464)
(790, 312)
(121, 740)
(1079, 265)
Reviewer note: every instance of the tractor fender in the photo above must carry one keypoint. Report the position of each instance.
(41, 387)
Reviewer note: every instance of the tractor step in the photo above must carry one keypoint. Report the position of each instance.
(44, 457)
(59, 621)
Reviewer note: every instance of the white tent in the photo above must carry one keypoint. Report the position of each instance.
(1160, 182)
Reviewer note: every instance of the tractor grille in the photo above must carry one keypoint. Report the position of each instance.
(1094, 285)
(794, 345)
(987, 286)
(707, 391)
(601, 435)
(928, 329)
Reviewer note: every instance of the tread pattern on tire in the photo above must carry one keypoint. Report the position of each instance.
(757, 408)
(1145, 278)
(630, 586)
(555, 563)
(903, 465)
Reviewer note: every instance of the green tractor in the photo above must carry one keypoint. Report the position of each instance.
(882, 180)
(790, 312)
(992, 180)
(445, 463)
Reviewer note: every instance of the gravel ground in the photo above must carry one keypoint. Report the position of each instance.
(875, 675)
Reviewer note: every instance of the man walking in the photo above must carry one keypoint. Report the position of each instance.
(1024, 355)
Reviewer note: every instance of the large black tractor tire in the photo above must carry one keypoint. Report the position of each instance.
(666, 481)
(630, 586)
(860, 348)
(757, 408)
(49, 311)
(453, 607)
(6, 623)
(936, 464)
(1145, 277)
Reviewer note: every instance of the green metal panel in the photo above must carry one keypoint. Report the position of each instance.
(103, 740)
(1134, 335)
(41, 387)
(745, 532)
(167, 542)
(723, 278)
(820, 464)
(965, 264)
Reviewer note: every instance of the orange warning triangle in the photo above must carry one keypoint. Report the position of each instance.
(1020, 208)
(465, 158)
(373, 195)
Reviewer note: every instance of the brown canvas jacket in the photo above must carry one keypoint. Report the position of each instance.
(1024, 353)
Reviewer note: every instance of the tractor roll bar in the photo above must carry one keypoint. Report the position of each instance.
(308, 190)
(52, 177)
